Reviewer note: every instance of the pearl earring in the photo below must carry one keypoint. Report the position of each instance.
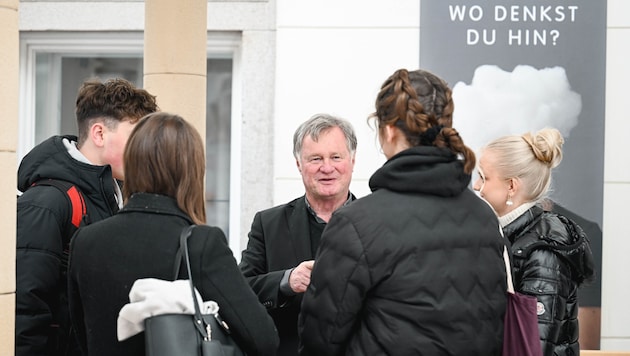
(509, 201)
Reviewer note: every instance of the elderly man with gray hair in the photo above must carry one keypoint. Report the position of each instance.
(283, 240)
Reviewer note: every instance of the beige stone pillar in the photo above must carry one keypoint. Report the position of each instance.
(9, 69)
(175, 57)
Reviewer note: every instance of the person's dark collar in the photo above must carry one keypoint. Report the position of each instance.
(317, 218)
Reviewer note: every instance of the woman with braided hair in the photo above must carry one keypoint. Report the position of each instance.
(550, 253)
(416, 267)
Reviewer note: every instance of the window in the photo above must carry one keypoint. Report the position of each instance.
(53, 66)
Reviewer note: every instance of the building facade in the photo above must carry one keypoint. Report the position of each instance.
(271, 64)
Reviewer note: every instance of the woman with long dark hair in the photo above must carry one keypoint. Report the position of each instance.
(164, 193)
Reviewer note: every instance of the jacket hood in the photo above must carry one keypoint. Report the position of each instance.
(421, 169)
(51, 160)
(537, 229)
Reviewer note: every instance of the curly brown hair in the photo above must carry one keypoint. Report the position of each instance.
(420, 104)
(112, 101)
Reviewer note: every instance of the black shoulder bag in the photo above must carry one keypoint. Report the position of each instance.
(188, 335)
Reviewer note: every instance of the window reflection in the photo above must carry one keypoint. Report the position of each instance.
(218, 131)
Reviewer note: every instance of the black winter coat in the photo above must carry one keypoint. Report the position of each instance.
(141, 241)
(415, 268)
(551, 257)
(42, 321)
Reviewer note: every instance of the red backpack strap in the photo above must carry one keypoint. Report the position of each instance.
(78, 213)
(78, 205)
(77, 202)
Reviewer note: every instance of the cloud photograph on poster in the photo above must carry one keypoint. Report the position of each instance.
(527, 99)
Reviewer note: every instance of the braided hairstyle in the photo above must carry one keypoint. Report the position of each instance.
(420, 104)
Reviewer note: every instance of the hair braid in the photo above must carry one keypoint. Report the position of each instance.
(421, 105)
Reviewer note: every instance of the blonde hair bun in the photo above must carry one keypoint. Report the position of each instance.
(546, 145)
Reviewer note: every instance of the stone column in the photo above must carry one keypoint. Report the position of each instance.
(175, 57)
(9, 69)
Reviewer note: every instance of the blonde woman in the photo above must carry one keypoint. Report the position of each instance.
(551, 254)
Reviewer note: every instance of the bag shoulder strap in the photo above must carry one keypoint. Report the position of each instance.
(508, 270)
(507, 257)
(200, 323)
(77, 214)
(75, 197)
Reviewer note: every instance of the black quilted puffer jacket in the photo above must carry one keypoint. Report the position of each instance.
(415, 268)
(552, 257)
(42, 319)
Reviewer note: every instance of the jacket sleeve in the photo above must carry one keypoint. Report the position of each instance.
(223, 282)
(254, 266)
(545, 276)
(38, 277)
(339, 282)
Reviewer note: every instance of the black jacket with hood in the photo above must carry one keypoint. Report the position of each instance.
(551, 257)
(42, 322)
(415, 268)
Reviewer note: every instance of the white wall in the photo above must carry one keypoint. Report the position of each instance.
(616, 235)
(332, 56)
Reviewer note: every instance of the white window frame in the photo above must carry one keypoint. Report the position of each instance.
(128, 43)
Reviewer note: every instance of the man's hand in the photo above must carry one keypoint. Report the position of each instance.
(300, 277)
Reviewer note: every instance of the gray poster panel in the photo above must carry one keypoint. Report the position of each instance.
(559, 49)
(518, 66)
